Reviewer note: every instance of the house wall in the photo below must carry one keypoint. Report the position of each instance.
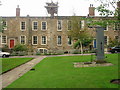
(13, 32)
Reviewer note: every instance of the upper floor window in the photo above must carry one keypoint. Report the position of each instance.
(22, 39)
(44, 25)
(44, 40)
(23, 26)
(59, 40)
(69, 40)
(34, 40)
(35, 25)
(59, 25)
(4, 25)
(69, 25)
(4, 39)
(117, 26)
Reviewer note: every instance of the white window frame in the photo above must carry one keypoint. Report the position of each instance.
(61, 25)
(42, 26)
(38, 49)
(42, 41)
(21, 26)
(68, 25)
(33, 26)
(2, 39)
(68, 41)
(61, 41)
(33, 41)
(107, 40)
(24, 39)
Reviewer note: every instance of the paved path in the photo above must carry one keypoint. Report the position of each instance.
(9, 77)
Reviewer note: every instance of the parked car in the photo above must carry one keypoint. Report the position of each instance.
(4, 54)
(114, 49)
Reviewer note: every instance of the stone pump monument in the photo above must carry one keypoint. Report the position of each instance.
(100, 45)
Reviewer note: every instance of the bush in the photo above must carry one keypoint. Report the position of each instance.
(5, 48)
(19, 50)
(20, 47)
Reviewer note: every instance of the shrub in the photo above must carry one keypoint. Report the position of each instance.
(5, 48)
(20, 47)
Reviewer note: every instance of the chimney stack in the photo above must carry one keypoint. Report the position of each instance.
(91, 10)
(17, 11)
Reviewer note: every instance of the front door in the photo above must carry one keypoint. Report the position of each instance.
(12, 43)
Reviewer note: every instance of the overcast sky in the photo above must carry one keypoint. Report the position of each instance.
(36, 7)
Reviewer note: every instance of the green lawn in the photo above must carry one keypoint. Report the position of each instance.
(10, 63)
(58, 72)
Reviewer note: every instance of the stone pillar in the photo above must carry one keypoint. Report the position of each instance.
(100, 44)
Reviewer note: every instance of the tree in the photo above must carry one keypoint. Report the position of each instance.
(79, 33)
(104, 10)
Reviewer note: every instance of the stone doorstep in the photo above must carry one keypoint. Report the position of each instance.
(93, 64)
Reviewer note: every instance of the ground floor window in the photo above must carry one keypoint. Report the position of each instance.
(106, 40)
(34, 40)
(42, 50)
(69, 40)
(59, 40)
(116, 37)
(94, 43)
(44, 40)
(4, 39)
(22, 39)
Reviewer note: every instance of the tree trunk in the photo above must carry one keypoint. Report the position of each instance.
(81, 47)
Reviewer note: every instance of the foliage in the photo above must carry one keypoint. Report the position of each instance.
(2, 25)
(79, 32)
(59, 72)
(5, 48)
(20, 47)
(104, 10)
(85, 42)
(113, 43)
(10, 63)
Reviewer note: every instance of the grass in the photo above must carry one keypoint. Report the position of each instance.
(10, 63)
(58, 72)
